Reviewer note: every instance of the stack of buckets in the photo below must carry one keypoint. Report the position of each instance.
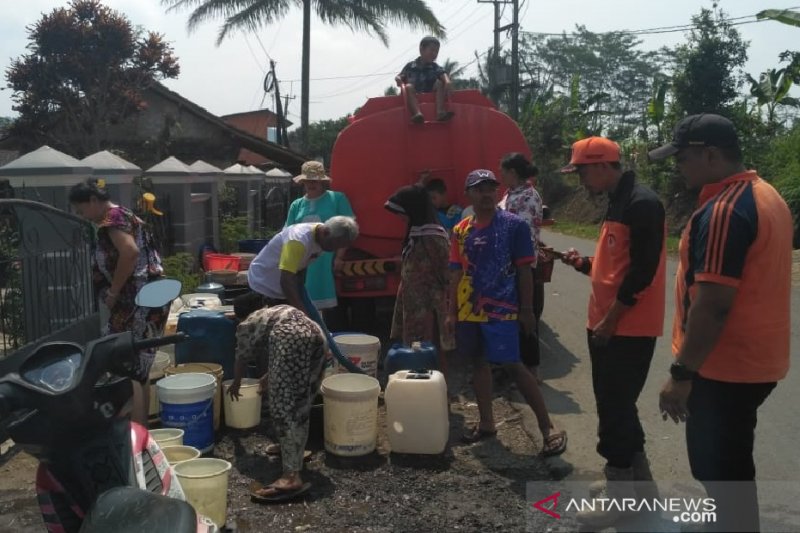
(351, 400)
(204, 480)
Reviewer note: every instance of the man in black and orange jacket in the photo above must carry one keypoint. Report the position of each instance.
(732, 328)
(626, 314)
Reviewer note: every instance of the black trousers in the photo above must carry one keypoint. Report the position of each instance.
(720, 434)
(619, 371)
(529, 349)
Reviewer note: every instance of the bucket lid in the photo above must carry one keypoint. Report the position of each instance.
(358, 339)
(187, 381)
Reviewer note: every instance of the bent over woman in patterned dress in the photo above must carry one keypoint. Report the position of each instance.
(289, 350)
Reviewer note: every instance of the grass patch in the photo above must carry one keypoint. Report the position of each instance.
(592, 232)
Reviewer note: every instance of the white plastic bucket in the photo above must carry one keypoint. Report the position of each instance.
(204, 368)
(205, 482)
(167, 436)
(178, 454)
(362, 350)
(351, 413)
(187, 403)
(246, 412)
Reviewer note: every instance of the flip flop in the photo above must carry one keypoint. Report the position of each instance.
(282, 495)
(476, 434)
(445, 116)
(548, 450)
(275, 449)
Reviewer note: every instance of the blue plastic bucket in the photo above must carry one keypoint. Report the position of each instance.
(187, 403)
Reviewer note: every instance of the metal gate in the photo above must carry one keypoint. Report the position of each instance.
(46, 288)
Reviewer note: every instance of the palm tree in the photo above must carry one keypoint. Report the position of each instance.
(370, 16)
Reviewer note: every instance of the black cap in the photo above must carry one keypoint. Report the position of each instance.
(699, 130)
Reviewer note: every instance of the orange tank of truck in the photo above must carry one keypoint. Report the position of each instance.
(380, 151)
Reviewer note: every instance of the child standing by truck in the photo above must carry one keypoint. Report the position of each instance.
(449, 214)
(424, 75)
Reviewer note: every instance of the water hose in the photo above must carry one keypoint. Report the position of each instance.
(316, 317)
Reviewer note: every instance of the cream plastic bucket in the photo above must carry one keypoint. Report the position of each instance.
(178, 454)
(167, 437)
(205, 482)
(351, 413)
(246, 412)
(204, 368)
(362, 350)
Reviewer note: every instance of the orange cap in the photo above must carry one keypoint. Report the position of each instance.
(592, 150)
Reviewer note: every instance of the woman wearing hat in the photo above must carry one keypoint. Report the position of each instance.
(318, 205)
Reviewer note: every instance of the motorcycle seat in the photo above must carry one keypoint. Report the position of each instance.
(129, 510)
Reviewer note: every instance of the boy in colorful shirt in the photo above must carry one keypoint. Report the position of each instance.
(491, 288)
(424, 75)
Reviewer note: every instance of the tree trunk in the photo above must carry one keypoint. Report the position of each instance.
(305, 75)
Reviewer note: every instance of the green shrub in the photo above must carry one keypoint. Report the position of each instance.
(231, 231)
(181, 266)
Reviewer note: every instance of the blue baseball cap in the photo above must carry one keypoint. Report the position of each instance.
(476, 177)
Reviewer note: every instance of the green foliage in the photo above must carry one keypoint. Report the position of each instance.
(231, 231)
(611, 64)
(181, 266)
(708, 67)
(321, 137)
(791, 18)
(12, 325)
(85, 71)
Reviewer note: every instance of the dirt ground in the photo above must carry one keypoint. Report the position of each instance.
(478, 487)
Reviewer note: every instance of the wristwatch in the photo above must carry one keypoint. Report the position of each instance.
(679, 372)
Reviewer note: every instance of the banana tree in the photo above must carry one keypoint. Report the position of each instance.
(792, 18)
(657, 107)
(771, 89)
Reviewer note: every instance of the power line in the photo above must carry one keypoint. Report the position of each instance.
(357, 86)
(247, 42)
(262, 45)
(657, 30)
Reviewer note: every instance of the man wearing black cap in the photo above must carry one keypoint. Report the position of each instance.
(730, 336)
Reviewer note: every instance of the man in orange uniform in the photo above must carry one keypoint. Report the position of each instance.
(731, 331)
(626, 314)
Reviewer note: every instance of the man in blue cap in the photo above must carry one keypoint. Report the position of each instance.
(490, 299)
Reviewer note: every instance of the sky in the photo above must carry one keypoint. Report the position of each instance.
(229, 78)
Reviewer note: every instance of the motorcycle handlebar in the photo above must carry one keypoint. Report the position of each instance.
(160, 341)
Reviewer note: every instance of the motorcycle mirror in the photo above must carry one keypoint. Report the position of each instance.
(158, 293)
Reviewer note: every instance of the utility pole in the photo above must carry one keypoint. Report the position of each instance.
(514, 103)
(270, 83)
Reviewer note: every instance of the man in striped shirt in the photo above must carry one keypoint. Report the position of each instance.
(732, 304)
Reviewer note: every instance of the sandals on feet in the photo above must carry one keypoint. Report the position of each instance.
(276, 494)
(444, 116)
(555, 444)
(476, 434)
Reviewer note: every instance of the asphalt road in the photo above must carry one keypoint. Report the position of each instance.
(568, 391)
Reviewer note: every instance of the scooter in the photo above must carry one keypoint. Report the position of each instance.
(98, 472)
